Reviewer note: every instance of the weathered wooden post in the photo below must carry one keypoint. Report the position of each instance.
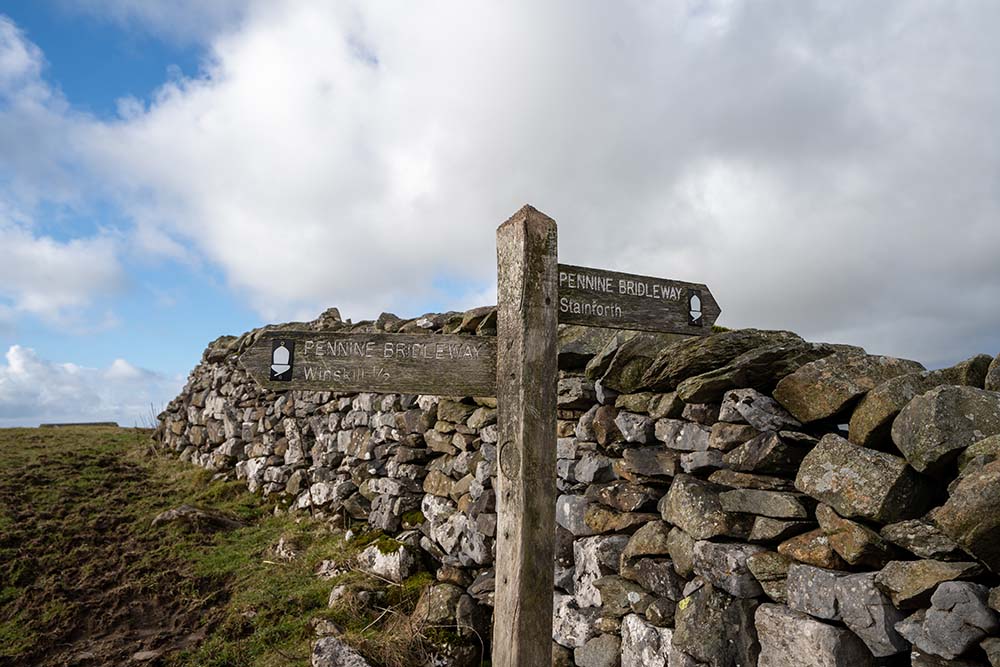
(526, 482)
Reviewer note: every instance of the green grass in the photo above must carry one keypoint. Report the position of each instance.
(82, 568)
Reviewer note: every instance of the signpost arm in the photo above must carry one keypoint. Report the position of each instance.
(527, 374)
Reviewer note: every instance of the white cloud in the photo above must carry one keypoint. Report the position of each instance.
(40, 275)
(34, 390)
(826, 168)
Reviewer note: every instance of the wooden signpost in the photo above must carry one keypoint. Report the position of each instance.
(599, 298)
(519, 367)
(446, 365)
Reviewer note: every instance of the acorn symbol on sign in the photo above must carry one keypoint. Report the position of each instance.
(694, 309)
(281, 361)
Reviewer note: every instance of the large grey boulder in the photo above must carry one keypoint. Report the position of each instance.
(957, 620)
(971, 515)
(394, 564)
(760, 368)
(716, 629)
(934, 428)
(694, 356)
(871, 421)
(861, 482)
(571, 512)
(333, 652)
(724, 565)
(790, 638)
(827, 386)
(870, 614)
(644, 644)
(694, 506)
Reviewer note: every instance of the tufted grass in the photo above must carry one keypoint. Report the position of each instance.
(86, 579)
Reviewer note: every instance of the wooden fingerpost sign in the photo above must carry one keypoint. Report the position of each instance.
(526, 403)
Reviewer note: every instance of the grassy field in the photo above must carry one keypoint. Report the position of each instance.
(86, 579)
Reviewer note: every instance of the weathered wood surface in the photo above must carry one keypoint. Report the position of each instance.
(526, 481)
(439, 364)
(595, 297)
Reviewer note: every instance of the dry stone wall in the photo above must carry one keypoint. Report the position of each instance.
(748, 498)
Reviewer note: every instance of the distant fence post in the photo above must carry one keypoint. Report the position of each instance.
(527, 373)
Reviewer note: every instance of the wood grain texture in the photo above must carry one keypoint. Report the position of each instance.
(438, 364)
(526, 482)
(599, 298)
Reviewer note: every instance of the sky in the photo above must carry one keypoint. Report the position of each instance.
(174, 171)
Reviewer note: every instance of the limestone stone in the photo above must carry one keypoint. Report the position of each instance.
(771, 569)
(571, 512)
(716, 629)
(661, 612)
(774, 504)
(635, 427)
(334, 652)
(825, 387)
(724, 565)
(760, 411)
(651, 539)
(694, 506)
(812, 548)
(603, 424)
(766, 529)
(956, 622)
(695, 356)
(769, 453)
(970, 516)
(620, 596)
(595, 557)
(933, 428)
(644, 644)
(869, 613)
(745, 480)
(438, 604)
(699, 462)
(861, 482)
(604, 520)
(789, 638)
(855, 543)
(656, 576)
(574, 393)
(922, 538)
(813, 591)
(667, 405)
(910, 583)
(656, 461)
(726, 436)
(622, 495)
(680, 545)
(637, 402)
(600, 651)
(682, 435)
(572, 626)
(701, 413)
(395, 565)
